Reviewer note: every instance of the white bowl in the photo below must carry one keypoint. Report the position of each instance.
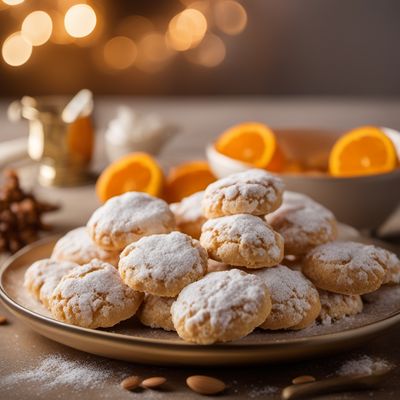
(364, 202)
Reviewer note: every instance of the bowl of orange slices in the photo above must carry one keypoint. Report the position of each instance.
(356, 174)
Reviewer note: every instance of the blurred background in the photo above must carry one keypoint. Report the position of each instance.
(200, 47)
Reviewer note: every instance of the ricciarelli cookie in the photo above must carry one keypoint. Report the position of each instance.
(295, 301)
(163, 265)
(43, 276)
(335, 306)
(155, 312)
(126, 218)
(345, 267)
(254, 192)
(242, 240)
(303, 223)
(76, 246)
(188, 214)
(94, 296)
(221, 307)
(392, 266)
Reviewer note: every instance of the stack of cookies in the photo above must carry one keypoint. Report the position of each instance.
(241, 255)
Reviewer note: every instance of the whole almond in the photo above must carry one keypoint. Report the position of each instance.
(131, 382)
(205, 384)
(3, 320)
(303, 379)
(153, 382)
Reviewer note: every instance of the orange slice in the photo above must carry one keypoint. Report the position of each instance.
(253, 143)
(363, 151)
(134, 172)
(186, 179)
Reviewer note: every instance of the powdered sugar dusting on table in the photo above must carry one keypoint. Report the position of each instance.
(365, 365)
(55, 371)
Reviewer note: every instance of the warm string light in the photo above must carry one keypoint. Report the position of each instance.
(80, 20)
(16, 50)
(37, 28)
(136, 41)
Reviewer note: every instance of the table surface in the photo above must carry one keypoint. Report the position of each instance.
(22, 350)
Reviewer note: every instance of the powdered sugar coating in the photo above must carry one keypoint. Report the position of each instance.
(126, 218)
(43, 276)
(76, 246)
(93, 296)
(303, 223)
(242, 240)
(221, 307)
(345, 267)
(155, 312)
(336, 306)
(164, 264)
(295, 301)
(189, 215)
(254, 191)
(392, 265)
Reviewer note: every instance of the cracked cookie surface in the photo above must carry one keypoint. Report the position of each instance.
(93, 296)
(242, 240)
(221, 307)
(155, 312)
(303, 223)
(126, 218)
(189, 215)
(164, 264)
(335, 306)
(254, 192)
(76, 246)
(295, 300)
(345, 267)
(43, 276)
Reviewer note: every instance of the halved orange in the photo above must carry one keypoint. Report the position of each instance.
(253, 143)
(186, 179)
(366, 150)
(134, 172)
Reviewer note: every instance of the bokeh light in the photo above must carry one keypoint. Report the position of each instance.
(135, 26)
(80, 20)
(13, 2)
(16, 50)
(210, 53)
(153, 52)
(186, 29)
(230, 17)
(120, 52)
(37, 28)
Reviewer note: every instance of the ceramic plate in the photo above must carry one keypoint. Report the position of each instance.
(132, 342)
